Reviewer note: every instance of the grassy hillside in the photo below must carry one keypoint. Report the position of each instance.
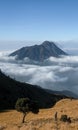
(11, 90)
(44, 120)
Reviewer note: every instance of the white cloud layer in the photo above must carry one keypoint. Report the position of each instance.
(54, 73)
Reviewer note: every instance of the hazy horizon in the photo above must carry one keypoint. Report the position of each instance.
(27, 22)
(71, 46)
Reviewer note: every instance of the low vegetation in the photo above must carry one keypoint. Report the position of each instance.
(65, 118)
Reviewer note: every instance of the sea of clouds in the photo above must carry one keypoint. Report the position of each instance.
(54, 73)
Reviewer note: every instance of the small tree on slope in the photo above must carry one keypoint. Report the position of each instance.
(25, 105)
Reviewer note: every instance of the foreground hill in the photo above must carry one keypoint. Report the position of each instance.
(11, 90)
(11, 120)
(39, 52)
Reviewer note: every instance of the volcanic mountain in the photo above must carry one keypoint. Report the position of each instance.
(39, 52)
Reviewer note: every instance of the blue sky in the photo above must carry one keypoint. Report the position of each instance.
(38, 20)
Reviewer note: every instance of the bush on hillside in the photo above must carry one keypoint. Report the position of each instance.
(65, 118)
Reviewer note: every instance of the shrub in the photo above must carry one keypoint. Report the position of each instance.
(65, 118)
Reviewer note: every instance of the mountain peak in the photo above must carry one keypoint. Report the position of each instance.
(39, 52)
(47, 42)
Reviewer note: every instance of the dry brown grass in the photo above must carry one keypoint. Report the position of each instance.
(11, 120)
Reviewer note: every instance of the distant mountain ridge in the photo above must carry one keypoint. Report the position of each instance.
(39, 52)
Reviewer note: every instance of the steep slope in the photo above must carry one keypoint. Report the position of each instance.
(11, 90)
(39, 52)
